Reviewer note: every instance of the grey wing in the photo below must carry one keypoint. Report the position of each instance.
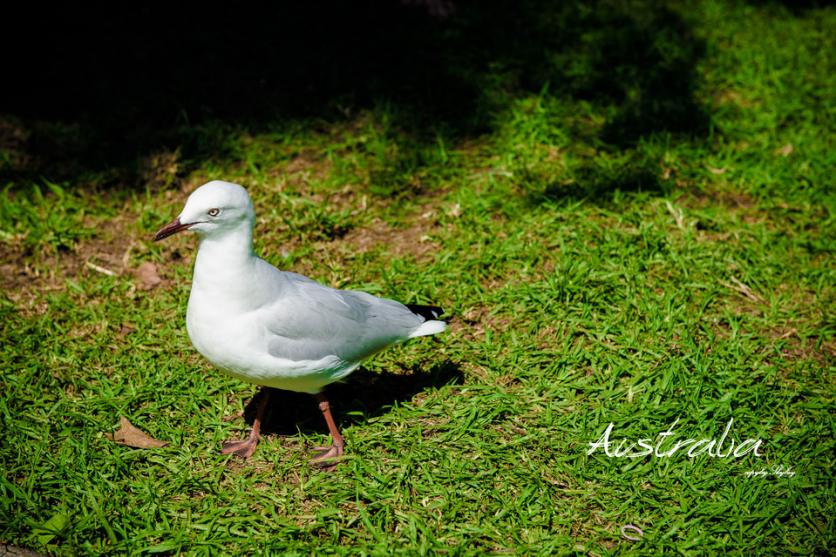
(310, 321)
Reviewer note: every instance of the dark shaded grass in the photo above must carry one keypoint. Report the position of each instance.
(108, 91)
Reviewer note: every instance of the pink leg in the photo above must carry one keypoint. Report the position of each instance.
(324, 460)
(246, 448)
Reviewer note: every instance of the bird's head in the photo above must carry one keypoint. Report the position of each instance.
(212, 209)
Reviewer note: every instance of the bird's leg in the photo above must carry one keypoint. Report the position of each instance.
(246, 448)
(324, 459)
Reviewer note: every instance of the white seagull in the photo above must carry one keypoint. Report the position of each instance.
(275, 328)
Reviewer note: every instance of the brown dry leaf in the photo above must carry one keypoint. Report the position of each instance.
(147, 275)
(717, 171)
(132, 436)
(785, 151)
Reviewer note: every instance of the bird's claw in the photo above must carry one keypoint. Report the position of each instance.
(244, 449)
(325, 458)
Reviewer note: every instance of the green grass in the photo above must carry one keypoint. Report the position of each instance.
(609, 257)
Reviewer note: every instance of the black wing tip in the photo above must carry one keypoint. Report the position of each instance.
(427, 312)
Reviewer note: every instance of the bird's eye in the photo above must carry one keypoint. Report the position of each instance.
(213, 212)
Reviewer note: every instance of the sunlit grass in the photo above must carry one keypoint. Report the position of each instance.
(673, 276)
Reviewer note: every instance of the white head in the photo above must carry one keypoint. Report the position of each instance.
(212, 210)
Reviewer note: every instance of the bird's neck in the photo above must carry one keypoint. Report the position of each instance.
(225, 257)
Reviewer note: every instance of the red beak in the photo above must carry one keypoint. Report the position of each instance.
(173, 227)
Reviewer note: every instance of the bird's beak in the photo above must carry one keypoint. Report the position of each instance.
(173, 227)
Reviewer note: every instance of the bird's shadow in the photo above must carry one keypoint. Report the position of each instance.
(362, 396)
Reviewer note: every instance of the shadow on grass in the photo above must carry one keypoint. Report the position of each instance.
(598, 183)
(99, 91)
(794, 7)
(362, 396)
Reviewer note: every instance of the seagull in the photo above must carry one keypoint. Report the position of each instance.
(276, 328)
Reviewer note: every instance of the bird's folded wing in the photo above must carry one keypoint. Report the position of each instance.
(309, 321)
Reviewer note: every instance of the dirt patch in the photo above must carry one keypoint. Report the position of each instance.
(778, 335)
(797, 349)
(726, 198)
(306, 167)
(732, 97)
(350, 198)
(160, 170)
(110, 248)
(712, 236)
(14, 273)
(738, 200)
(547, 337)
(825, 357)
(413, 240)
(27, 274)
(418, 237)
(479, 319)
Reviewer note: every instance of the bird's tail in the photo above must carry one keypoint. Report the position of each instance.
(427, 312)
(432, 325)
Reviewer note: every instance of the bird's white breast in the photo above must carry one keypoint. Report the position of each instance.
(229, 330)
